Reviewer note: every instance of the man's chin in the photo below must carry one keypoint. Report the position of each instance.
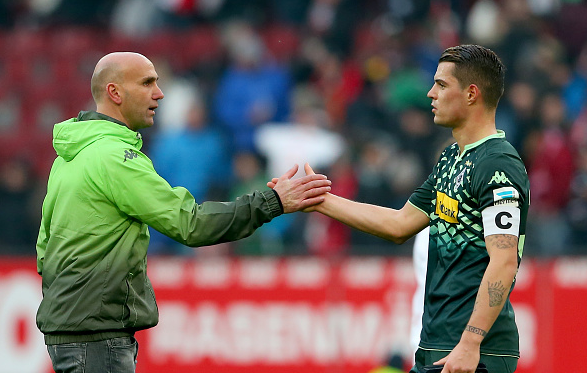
(440, 122)
(144, 124)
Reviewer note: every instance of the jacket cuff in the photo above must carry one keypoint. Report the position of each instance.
(274, 202)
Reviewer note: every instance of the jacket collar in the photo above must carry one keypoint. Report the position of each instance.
(94, 115)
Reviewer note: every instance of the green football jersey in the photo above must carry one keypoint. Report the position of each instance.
(483, 190)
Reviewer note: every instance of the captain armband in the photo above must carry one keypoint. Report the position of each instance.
(501, 219)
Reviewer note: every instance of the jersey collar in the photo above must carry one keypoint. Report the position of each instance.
(499, 135)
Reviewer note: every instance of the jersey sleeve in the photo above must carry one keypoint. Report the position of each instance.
(500, 185)
(423, 196)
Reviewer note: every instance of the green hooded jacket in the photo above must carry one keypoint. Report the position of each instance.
(102, 194)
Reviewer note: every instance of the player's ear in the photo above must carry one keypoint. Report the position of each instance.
(113, 91)
(473, 94)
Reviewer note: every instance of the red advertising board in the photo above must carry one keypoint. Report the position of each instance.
(298, 315)
(286, 315)
(21, 344)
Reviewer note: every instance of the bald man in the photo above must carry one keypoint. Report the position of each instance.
(102, 195)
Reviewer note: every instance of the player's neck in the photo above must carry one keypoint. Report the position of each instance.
(475, 129)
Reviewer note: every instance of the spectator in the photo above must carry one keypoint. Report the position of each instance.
(252, 91)
(327, 237)
(191, 153)
(577, 206)
(386, 175)
(305, 138)
(249, 171)
(339, 82)
(308, 128)
(17, 220)
(575, 89)
(519, 112)
(551, 168)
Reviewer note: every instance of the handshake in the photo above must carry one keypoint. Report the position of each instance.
(303, 193)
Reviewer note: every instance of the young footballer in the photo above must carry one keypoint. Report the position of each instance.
(475, 202)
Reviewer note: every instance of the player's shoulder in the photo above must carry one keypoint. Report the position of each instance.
(501, 145)
(110, 152)
(499, 164)
(498, 150)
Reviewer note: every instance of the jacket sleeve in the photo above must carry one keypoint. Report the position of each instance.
(41, 246)
(139, 192)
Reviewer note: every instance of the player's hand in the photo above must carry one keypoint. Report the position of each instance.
(309, 171)
(464, 358)
(271, 184)
(301, 193)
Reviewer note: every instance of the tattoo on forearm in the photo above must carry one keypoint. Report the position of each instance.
(502, 241)
(476, 330)
(496, 293)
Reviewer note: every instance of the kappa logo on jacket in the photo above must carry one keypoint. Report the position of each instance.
(130, 154)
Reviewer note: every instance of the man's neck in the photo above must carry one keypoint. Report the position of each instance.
(475, 129)
(111, 113)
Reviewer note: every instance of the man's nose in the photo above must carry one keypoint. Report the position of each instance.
(158, 94)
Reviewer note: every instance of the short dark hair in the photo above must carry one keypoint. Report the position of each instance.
(477, 65)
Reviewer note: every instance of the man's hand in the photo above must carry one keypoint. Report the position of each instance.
(300, 194)
(464, 358)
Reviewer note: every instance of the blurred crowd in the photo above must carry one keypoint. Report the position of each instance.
(252, 87)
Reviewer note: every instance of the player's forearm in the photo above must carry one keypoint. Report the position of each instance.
(380, 221)
(491, 297)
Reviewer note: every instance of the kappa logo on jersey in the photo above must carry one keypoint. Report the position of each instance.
(129, 154)
(506, 196)
(499, 178)
(447, 208)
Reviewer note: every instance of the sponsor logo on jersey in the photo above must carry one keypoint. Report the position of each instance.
(499, 178)
(447, 208)
(506, 196)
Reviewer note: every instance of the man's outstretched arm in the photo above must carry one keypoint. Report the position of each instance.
(390, 224)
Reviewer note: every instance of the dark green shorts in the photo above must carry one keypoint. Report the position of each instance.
(495, 364)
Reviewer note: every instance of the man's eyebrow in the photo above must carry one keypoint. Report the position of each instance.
(440, 81)
(150, 79)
